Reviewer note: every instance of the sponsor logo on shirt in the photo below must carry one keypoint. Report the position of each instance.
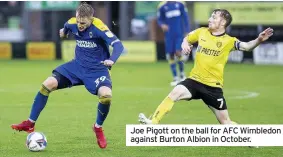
(173, 13)
(86, 44)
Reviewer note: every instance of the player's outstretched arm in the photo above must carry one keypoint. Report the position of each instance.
(263, 36)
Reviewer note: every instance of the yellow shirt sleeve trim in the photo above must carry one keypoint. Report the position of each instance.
(72, 20)
(161, 4)
(99, 24)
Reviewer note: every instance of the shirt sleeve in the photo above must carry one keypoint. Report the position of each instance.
(67, 27)
(193, 36)
(111, 39)
(108, 36)
(236, 44)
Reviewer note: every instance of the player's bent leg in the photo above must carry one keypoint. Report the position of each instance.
(38, 105)
(180, 92)
(222, 116)
(105, 97)
(40, 101)
(51, 83)
(57, 81)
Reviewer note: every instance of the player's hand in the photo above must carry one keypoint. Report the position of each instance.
(61, 33)
(263, 36)
(186, 48)
(164, 27)
(107, 62)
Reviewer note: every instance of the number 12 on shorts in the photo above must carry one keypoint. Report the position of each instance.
(100, 79)
(221, 102)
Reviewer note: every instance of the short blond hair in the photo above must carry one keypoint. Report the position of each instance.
(85, 10)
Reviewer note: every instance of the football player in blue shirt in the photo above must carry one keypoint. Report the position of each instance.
(90, 68)
(173, 20)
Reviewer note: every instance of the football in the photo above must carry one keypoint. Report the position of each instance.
(36, 141)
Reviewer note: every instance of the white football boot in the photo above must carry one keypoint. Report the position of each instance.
(144, 120)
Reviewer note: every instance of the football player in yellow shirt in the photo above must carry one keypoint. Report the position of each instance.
(206, 78)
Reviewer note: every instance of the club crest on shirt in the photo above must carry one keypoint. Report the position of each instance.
(109, 34)
(90, 34)
(219, 44)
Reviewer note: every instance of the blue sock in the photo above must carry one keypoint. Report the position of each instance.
(181, 66)
(39, 103)
(102, 112)
(173, 69)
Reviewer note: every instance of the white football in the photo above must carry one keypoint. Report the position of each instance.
(36, 141)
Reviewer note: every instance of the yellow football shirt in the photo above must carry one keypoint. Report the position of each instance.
(211, 56)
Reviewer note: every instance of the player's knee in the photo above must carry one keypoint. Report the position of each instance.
(50, 83)
(180, 92)
(176, 93)
(105, 99)
(105, 95)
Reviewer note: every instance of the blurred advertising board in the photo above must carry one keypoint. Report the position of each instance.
(146, 9)
(136, 51)
(41, 51)
(68, 49)
(51, 5)
(269, 53)
(243, 13)
(5, 51)
(144, 12)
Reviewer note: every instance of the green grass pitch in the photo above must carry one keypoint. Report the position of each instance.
(137, 87)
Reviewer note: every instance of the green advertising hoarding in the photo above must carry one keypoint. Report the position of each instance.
(250, 13)
(51, 5)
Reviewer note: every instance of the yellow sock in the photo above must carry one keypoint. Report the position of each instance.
(234, 123)
(44, 90)
(230, 122)
(165, 106)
